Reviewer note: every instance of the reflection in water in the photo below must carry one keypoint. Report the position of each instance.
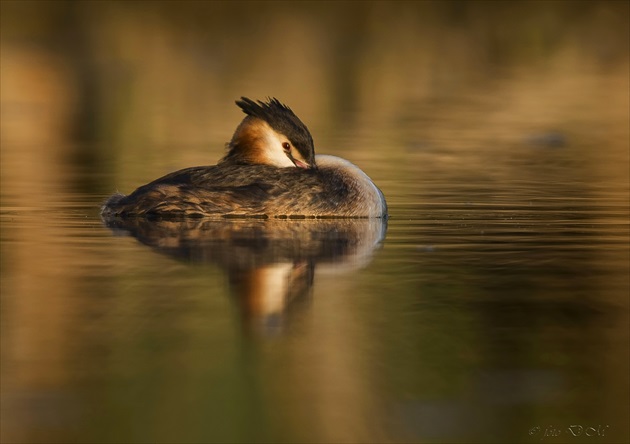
(270, 263)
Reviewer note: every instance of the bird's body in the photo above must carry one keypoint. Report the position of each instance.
(270, 170)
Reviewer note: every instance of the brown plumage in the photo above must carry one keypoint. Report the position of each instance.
(270, 170)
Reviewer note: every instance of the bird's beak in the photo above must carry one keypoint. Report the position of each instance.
(300, 164)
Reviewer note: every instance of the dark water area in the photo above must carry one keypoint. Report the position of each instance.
(492, 306)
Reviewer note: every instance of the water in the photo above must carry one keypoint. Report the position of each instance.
(491, 307)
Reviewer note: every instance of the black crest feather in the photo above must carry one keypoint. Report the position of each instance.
(264, 110)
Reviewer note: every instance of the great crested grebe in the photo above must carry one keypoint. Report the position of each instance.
(270, 170)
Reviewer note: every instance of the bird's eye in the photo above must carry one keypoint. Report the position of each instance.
(286, 146)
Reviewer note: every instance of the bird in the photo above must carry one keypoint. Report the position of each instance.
(270, 170)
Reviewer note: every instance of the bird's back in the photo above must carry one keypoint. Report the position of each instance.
(334, 189)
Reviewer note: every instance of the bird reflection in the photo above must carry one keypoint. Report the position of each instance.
(270, 263)
(267, 294)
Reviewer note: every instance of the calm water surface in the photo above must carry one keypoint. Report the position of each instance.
(484, 312)
(491, 307)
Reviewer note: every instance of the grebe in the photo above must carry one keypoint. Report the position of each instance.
(270, 170)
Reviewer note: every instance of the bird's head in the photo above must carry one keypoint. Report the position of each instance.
(271, 134)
